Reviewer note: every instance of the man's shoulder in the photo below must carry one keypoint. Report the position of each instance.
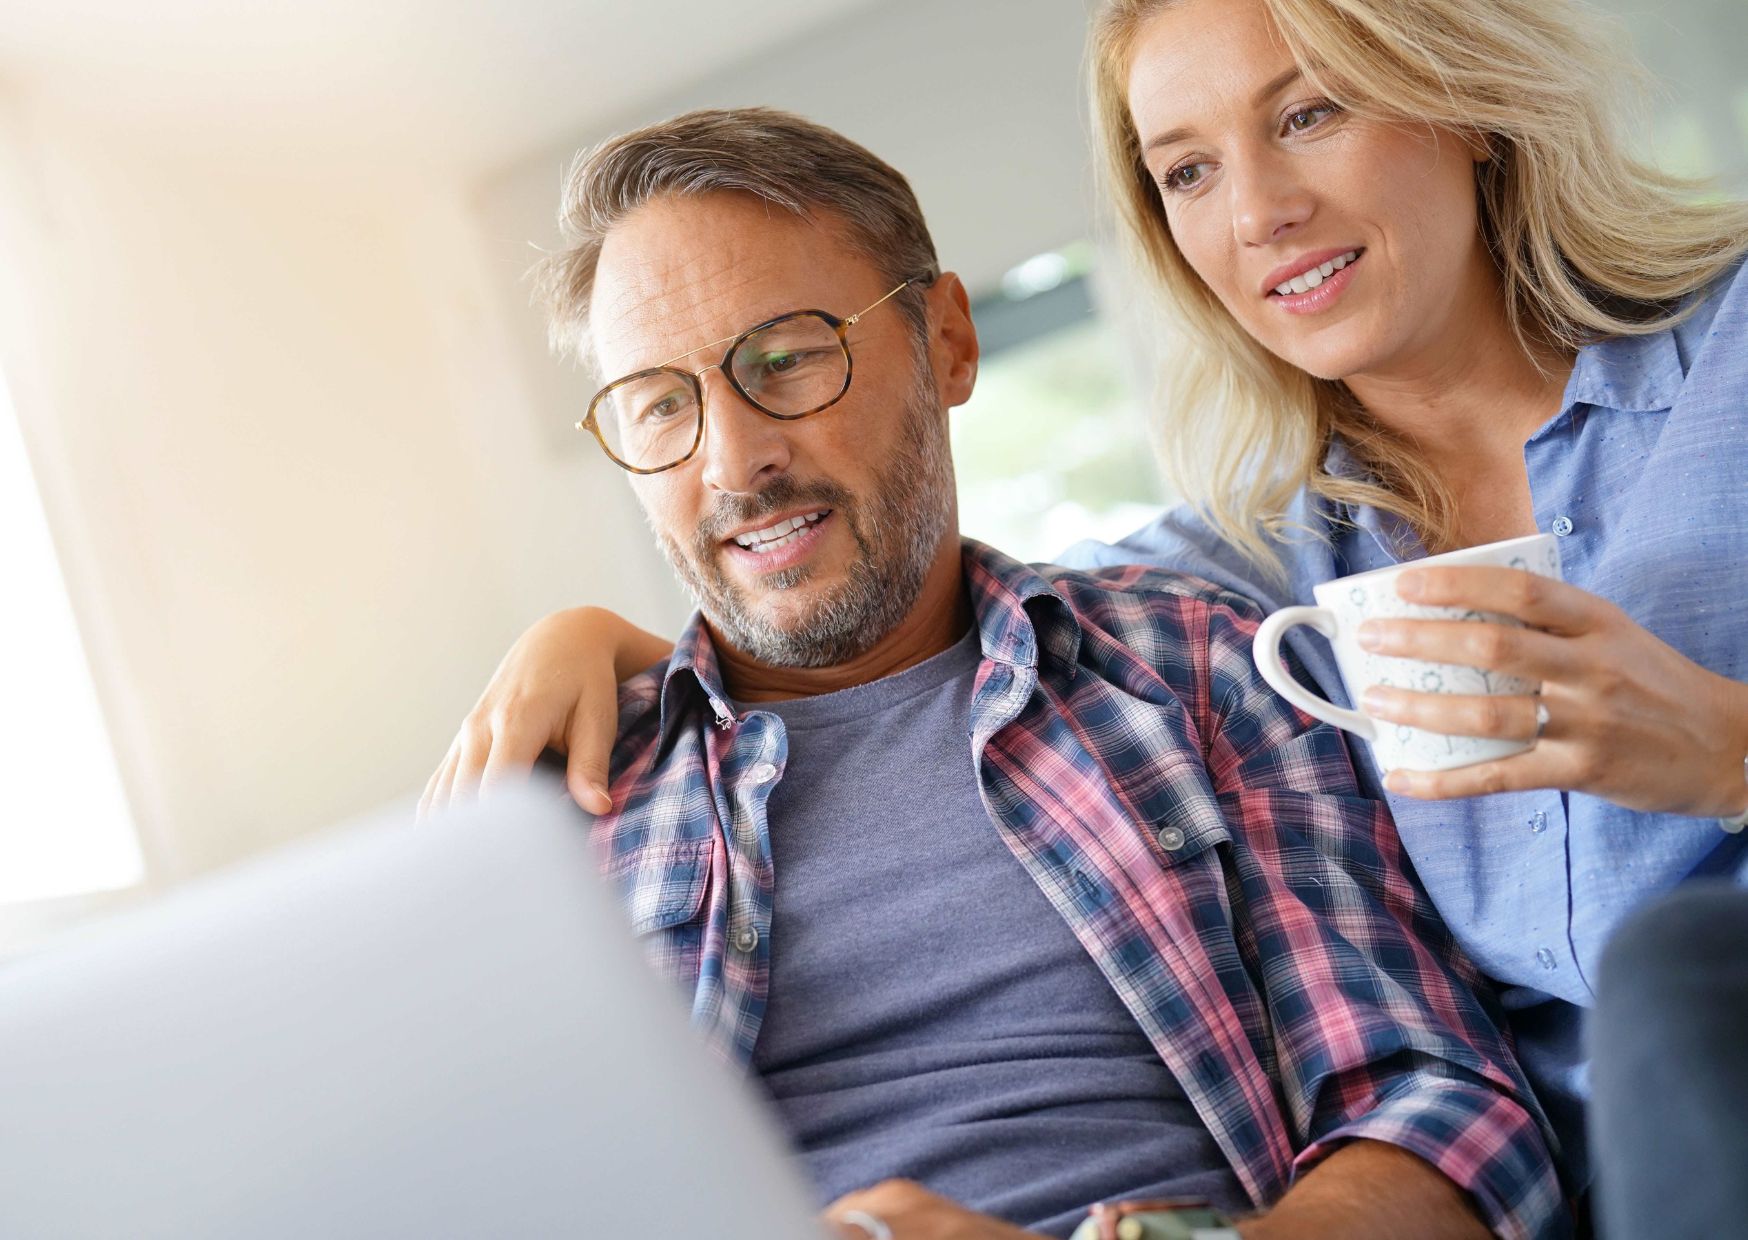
(640, 712)
(1142, 596)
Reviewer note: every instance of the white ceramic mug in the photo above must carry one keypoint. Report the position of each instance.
(1347, 602)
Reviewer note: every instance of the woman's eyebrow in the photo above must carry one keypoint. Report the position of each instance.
(1275, 87)
(1269, 90)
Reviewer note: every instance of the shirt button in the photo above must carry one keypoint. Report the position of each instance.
(1170, 838)
(1562, 526)
(764, 773)
(1539, 822)
(1545, 958)
(745, 939)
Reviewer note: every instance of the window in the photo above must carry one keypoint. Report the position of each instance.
(1053, 446)
(65, 827)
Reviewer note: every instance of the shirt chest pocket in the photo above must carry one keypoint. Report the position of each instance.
(662, 885)
(1178, 814)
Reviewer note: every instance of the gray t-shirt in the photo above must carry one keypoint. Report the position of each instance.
(931, 1015)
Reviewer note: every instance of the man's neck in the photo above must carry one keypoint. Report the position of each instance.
(940, 617)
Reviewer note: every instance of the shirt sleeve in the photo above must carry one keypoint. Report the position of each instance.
(1383, 1030)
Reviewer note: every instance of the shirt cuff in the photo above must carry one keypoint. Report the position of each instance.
(1484, 1143)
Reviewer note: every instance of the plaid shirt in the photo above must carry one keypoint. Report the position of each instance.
(1204, 841)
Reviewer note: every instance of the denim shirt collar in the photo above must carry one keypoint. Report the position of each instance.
(1634, 374)
(1393, 535)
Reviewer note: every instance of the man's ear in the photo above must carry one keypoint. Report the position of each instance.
(953, 348)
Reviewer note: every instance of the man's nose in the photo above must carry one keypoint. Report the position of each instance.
(743, 447)
(1269, 201)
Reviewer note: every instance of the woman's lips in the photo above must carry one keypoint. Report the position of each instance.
(1320, 298)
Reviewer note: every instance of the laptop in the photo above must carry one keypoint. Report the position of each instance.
(440, 1030)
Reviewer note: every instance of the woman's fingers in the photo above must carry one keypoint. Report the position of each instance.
(589, 749)
(1469, 643)
(436, 796)
(1545, 766)
(470, 767)
(1541, 602)
(1505, 716)
(517, 742)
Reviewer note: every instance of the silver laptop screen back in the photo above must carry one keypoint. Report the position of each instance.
(392, 1030)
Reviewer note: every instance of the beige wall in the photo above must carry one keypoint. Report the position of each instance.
(299, 497)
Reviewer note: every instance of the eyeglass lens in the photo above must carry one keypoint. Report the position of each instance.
(795, 366)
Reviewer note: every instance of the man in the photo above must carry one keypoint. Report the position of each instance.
(1016, 887)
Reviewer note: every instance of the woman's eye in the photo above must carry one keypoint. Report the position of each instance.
(1299, 120)
(1184, 177)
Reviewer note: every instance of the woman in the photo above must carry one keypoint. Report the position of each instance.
(1429, 302)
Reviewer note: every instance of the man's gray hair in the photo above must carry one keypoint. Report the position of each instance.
(784, 159)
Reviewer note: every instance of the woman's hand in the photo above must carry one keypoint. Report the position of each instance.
(558, 688)
(1628, 718)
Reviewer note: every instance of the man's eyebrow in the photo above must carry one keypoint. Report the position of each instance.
(1272, 88)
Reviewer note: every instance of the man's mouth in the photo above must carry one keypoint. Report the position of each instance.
(780, 534)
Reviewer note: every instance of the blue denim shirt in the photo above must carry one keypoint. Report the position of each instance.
(1643, 473)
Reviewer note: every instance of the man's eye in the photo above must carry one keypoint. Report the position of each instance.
(784, 363)
(667, 407)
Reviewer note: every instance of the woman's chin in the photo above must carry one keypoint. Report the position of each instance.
(1330, 355)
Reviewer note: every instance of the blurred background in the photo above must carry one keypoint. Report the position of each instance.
(284, 463)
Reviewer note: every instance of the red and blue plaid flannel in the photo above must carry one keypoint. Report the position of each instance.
(1203, 839)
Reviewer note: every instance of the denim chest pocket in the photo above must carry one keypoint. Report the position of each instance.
(662, 885)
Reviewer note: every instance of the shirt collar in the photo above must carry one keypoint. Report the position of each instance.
(692, 669)
(1020, 618)
(1634, 374)
(1393, 535)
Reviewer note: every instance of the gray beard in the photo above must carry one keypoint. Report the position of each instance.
(897, 530)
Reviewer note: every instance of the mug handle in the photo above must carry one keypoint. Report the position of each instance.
(1266, 649)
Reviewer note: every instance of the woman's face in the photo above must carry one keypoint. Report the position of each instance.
(1346, 246)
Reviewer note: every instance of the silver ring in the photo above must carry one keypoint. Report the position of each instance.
(1541, 720)
(874, 1226)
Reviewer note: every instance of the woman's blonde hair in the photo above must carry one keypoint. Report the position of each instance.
(1590, 242)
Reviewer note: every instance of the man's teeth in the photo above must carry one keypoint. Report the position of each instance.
(779, 535)
(1309, 280)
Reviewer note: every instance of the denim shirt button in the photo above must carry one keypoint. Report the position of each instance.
(1545, 958)
(1562, 526)
(1539, 822)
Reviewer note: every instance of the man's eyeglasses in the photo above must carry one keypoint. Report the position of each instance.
(789, 367)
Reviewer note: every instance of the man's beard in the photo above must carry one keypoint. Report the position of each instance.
(897, 529)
